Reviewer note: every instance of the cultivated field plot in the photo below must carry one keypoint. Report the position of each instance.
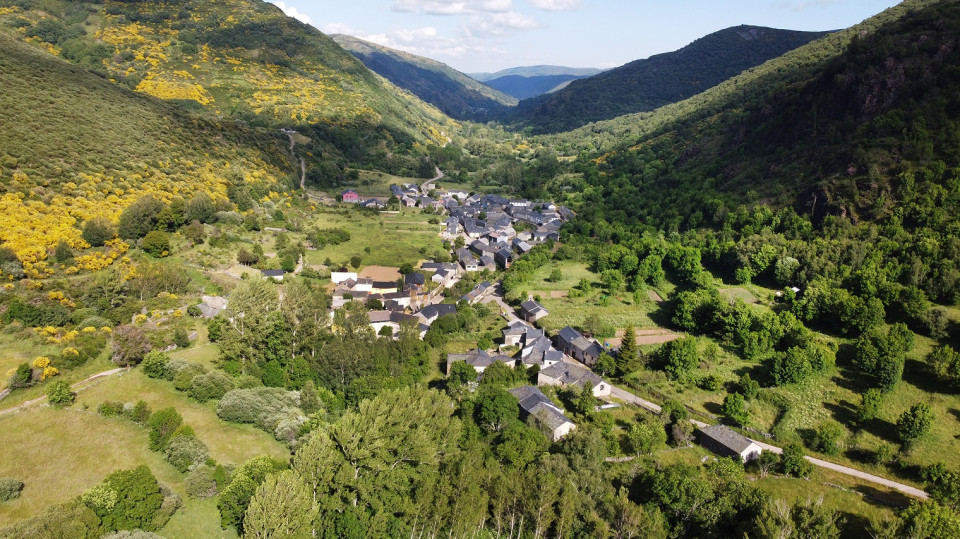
(381, 273)
(377, 184)
(391, 239)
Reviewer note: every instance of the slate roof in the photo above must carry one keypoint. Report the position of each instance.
(534, 402)
(532, 308)
(272, 273)
(415, 278)
(727, 437)
(438, 310)
(570, 374)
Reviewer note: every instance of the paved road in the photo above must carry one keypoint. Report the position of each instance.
(906, 489)
(643, 403)
(79, 386)
(428, 185)
(497, 297)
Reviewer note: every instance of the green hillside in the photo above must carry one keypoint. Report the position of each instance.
(242, 59)
(833, 128)
(436, 83)
(75, 146)
(645, 85)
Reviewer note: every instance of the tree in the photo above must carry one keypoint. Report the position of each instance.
(201, 208)
(768, 461)
(162, 424)
(628, 356)
(139, 218)
(281, 507)
(606, 365)
(126, 500)
(585, 403)
(735, 408)
(555, 276)
(130, 345)
(790, 367)
(645, 435)
(792, 461)
(498, 373)
(60, 395)
(496, 408)
(869, 405)
(914, 423)
(62, 253)
(309, 398)
(749, 387)
(98, 231)
(519, 444)
(186, 452)
(680, 357)
(827, 437)
(156, 243)
(236, 496)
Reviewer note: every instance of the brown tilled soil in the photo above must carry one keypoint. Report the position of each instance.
(380, 273)
(646, 336)
(654, 297)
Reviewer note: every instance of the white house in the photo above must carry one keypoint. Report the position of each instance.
(339, 276)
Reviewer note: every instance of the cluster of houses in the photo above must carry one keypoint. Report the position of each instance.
(556, 368)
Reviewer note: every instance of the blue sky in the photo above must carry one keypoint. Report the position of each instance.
(488, 35)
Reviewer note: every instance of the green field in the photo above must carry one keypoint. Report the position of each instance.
(60, 453)
(620, 311)
(23, 347)
(392, 239)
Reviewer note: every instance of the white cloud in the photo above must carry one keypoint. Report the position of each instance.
(292, 11)
(452, 7)
(555, 5)
(497, 24)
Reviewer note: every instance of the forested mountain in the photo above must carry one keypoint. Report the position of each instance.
(647, 84)
(436, 83)
(853, 125)
(536, 71)
(242, 59)
(526, 87)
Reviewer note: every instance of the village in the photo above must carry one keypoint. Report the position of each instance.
(487, 234)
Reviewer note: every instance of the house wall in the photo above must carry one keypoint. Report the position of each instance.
(563, 430)
(602, 389)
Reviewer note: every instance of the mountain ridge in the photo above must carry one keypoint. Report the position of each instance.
(647, 84)
(453, 92)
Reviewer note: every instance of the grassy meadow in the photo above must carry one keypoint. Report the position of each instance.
(60, 453)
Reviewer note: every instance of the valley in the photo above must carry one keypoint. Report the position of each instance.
(256, 281)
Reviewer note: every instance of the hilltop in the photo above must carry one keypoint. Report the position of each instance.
(536, 71)
(240, 59)
(645, 85)
(449, 90)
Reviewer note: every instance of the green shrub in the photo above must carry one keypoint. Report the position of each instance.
(9, 488)
(126, 500)
(183, 380)
(60, 395)
(201, 483)
(156, 243)
(186, 452)
(162, 424)
(155, 364)
(98, 231)
(213, 385)
(264, 407)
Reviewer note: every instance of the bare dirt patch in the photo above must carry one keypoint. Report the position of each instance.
(380, 273)
(645, 336)
(554, 294)
(654, 297)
